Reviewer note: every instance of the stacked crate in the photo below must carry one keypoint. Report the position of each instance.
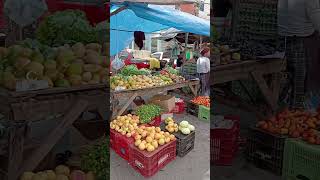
(257, 20)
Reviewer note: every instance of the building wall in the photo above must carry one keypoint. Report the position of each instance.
(205, 14)
(189, 8)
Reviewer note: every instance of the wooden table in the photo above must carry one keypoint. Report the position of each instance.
(132, 94)
(27, 107)
(256, 69)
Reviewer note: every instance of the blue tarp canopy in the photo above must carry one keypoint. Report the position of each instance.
(149, 19)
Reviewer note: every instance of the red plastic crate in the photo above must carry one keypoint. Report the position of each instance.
(224, 143)
(120, 144)
(112, 139)
(156, 121)
(179, 108)
(149, 163)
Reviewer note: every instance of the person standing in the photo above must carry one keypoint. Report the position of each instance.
(203, 70)
(299, 23)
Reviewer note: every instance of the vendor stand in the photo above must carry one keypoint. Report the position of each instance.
(132, 94)
(37, 101)
(256, 69)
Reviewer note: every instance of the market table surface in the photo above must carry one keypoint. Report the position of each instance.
(132, 94)
(256, 69)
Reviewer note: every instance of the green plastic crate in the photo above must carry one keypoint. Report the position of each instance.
(301, 161)
(204, 113)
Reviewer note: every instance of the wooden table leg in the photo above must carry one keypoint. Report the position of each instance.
(266, 91)
(194, 89)
(127, 104)
(35, 158)
(16, 142)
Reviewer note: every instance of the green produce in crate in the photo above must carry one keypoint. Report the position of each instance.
(147, 112)
(97, 161)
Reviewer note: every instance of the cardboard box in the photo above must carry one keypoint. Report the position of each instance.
(166, 102)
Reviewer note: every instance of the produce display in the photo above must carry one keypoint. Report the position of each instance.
(185, 127)
(148, 112)
(64, 66)
(295, 124)
(131, 70)
(125, 125)
(202, 100)
(96, 162)
(61, 172)
(150, 138)
(138, 81)
(66, 27)
(172, 74)
(223, 54)
(146, 138)
(130, 77)
(171, 126)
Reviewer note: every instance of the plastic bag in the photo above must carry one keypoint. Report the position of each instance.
(25, 12)
(117, 63)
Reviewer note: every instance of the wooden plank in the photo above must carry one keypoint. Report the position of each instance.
(127, 104)
(268, 95)
(35, 158)
(55, 90)
(16, 148)
(153, 90)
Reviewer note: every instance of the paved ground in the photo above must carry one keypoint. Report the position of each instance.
(193, 166)
(241, 169)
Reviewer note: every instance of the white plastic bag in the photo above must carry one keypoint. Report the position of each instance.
(117, 63)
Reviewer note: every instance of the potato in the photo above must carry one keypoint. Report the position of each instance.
(27, 176)
(61, 169)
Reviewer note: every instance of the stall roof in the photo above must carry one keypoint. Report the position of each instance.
(149, 19)
(159, 2)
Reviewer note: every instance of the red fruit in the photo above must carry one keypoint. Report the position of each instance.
(305, 135)
(318, 140)
(295, 134)
(311, 140)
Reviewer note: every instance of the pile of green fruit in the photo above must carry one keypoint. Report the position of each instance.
(148, 112)
(63, 66)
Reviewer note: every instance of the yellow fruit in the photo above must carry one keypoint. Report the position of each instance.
(137, 137)
(144, 133)
(161, 141)
(150, 148)
(155, 144)
(172, 137)
(166, 134)
(51, 175)
(167, 139)
(158, 129)
(138, 142)
(61, 169)
(157, 136)
(128, 135)
(142, 146)
(27, 176)
(149, 139)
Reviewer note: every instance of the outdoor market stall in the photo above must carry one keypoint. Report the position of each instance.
(33, 92)
(150, 136)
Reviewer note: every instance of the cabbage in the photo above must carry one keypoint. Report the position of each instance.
(191, 127)
(185, 131)
(184, 124)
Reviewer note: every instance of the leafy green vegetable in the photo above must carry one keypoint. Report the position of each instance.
(132, 70)
(97, 160)
(66, 27)
(148, 112)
